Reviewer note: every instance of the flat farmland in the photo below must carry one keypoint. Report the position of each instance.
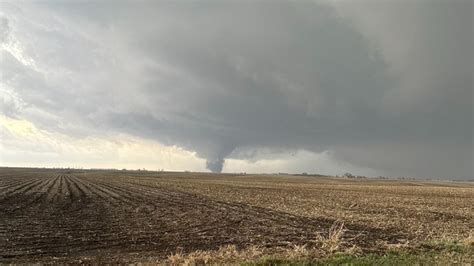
(52, 215)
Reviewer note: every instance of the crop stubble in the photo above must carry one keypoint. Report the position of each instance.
(68, 215)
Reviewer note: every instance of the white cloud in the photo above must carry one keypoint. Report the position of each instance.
(23, 144)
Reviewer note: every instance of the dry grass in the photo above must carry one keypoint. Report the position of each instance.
(469, 241)
(227, 253)
(325, 244)
(299, 251)
(440, 254)
(333, 241)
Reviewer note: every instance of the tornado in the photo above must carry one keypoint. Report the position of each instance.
(215, 165)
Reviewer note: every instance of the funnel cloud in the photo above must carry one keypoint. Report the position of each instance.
(215, 165)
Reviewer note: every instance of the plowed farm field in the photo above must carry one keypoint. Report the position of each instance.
(49, 215)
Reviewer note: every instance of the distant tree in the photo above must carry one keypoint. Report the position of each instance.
(348, 175)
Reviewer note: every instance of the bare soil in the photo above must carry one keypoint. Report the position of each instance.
(124, 216)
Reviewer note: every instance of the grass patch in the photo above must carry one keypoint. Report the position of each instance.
(451, 253)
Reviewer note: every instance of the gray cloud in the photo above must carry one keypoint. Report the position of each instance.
(4, 29)
(386, 86)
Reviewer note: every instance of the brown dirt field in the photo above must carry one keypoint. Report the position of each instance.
(129, 216)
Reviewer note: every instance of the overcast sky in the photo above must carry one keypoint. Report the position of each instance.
(368, 87)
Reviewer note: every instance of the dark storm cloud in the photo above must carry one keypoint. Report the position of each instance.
(225, 78)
